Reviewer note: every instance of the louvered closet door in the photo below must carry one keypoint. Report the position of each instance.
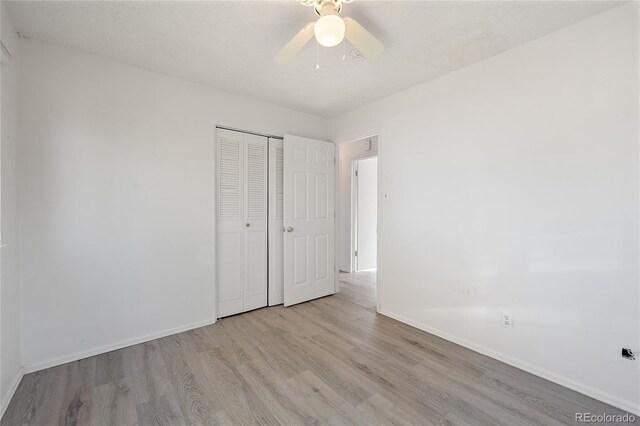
(241, 222)
(230, 222)
(276, 222)
(255, 235)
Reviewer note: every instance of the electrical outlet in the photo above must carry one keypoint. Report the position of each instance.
(628, 353)
(507, 320)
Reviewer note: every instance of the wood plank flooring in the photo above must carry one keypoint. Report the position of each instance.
(328, 361)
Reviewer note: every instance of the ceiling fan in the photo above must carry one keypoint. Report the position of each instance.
(330, 30)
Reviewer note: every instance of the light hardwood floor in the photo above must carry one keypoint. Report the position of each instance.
(329, 361)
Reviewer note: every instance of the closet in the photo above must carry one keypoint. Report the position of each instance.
(270, 248)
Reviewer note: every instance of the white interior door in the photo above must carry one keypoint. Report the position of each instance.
(276, 222)
(309, 219)
(367, 213)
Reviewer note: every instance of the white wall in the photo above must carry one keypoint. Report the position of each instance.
(10, 361)
(349, 151)
(512, 185)
(116, 198)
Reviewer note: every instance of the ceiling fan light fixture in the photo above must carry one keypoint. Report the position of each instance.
(329, 30)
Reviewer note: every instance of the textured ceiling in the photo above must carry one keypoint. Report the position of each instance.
(230, 44)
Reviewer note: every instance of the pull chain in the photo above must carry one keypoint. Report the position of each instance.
(317, 55)
(344, 48)
(344, 44)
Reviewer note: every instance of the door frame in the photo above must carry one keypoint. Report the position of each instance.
(354, 209)
(339, 140)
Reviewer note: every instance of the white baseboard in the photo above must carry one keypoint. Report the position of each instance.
(628, 406)
(112, 347)
(6, 399)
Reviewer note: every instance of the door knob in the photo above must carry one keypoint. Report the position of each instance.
(247, 224)
(289, 229)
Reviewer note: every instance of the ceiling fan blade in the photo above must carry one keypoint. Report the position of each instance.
(295, 44)
(362, 39)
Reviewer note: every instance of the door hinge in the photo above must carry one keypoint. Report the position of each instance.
(355, 253)
(356, 173)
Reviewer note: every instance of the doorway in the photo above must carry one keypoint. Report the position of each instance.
(358, 217)
(365, 214)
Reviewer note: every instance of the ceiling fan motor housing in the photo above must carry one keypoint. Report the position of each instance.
(327, 7)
